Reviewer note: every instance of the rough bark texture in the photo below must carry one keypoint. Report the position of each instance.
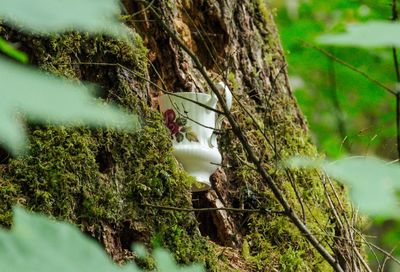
(100, 179)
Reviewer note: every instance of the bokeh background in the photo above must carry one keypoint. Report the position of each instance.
(347, 114)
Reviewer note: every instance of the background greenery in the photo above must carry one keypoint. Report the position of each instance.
(368, 111)
(347, 114)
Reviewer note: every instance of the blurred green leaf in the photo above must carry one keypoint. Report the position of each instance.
(367, 110)
(370, 34)
(166, 264)
(48, 16)
(191, 136)
(9, 50)
(48, 99)
(373, 182)
(36, 243)
(140, 250)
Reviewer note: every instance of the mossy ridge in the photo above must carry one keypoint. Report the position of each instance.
(268, 237)
(61, 176)
(272, 241)
(276, 231)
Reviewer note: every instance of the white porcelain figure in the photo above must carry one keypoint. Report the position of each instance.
(192, 130)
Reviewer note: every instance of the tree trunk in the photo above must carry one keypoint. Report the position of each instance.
(116, 186)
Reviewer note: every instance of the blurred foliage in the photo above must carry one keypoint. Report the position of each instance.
(43, 98)
(382, 177)
(48, 17)
(346, 112)
(367, 111)
(377, 33)
(29, 94)
(36, 243)
(12, 52)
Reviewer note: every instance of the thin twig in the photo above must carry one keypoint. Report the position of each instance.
(149, 81)
(348, 234)
(143, 10)
(338, 111)
(237, 210)
(297, 193)
(387, 258)
(384, 252)
(351, 67)
(395, 16)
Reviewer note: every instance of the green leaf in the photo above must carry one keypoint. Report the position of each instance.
(181, 121)
(140, 250)
(165, 263)
(36, 243)
(48, 16)
(9, 50)
(179, 137)
(191, 136)
(370, 34)
(373, 182)
(28, 93)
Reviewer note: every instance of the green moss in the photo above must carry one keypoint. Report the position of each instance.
(67, 55)
(232, 80)
(61, 166)
(292, 260)
(103, 177)
(10, 196)
(263, 8)
(271, 240)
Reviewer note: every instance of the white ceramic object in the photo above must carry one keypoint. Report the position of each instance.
(192, 130)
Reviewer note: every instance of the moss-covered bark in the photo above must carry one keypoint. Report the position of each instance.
(100, 179)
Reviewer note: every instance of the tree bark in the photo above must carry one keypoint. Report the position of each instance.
(123, 188)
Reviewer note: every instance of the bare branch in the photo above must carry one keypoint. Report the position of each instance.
(250, 153)
(237, 210)
(351, 67)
